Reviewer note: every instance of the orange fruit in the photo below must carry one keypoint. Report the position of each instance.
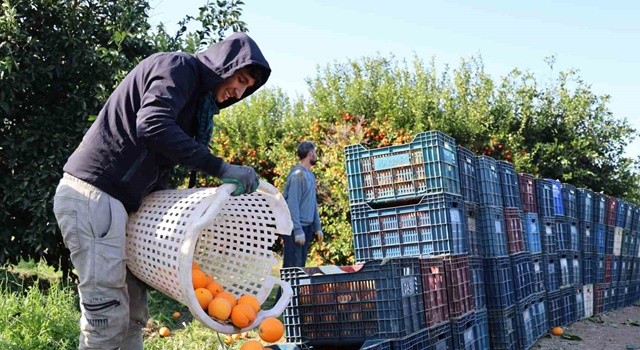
(164, 331)
(176, 315)
(557, 331)
(199, 279)
(204, 297)
(242, 315)
(229, 340)
(195, 266)
(271, 330)
(251, 301)
(252, 345)
(229, 297)
(219, 308)
(214, 288)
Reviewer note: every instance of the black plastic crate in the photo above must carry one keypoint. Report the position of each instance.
(471, 213)
(503, 329)
(514, 231)
(523, 275)
(463, 332)
(477, 282)
(609, 239)
(587, 237)
(528, 193)
(374, 345)
(499, 284)
(599, 208)
(433, 338)
(531, 227)
(435, 226)
(488, 181)
(435, 291)
(458, 282)
(585, 204)
(468, 178)
(493, 240)
(549, 195)
(509, 185)
(349, 305)
(548, 233)
(539, 266)
(428, 164)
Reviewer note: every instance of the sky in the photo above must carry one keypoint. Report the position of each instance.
(600, 39)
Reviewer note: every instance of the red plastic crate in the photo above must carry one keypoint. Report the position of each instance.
(611, 206)
(434, 287)
(515, 234)
(528, 193)
(459, 289)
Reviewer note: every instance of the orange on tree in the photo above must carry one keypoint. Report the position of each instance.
(251, 301)
(271, 330)
(219, 308)
(164, 331)
(204, 297)
(242, 315)
(252, 345)
(199, 279)
(214, 288)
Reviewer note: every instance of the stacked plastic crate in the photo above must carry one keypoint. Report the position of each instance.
(469, 191)
(586, 201)
(498, 276)
(634, 291)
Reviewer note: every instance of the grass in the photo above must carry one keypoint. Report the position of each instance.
(38, 311)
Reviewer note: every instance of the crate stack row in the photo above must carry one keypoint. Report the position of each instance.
(410, 234)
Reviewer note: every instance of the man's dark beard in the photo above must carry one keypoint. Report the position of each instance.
(314, 161)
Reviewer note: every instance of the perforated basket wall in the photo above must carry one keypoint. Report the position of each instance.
(229, 237)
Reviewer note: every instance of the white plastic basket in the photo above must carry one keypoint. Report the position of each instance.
(229, 237)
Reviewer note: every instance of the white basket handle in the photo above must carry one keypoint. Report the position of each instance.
(279, 307)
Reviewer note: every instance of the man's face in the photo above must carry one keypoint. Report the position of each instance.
(234, 86)
(313, 157)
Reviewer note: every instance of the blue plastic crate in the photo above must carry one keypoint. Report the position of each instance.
(476, 269)
(435, 226)
(428, 164)
(509, 185)
(567, 237)
(635, 219)
(621, 213)
(376, 344)
(463, 333)
(576, 269)
(615, 269)
(503, 329)
(600, 268)
(471, 210)
(523, 275)
(488, 181)
(610, 297)
(348, 305)
(570, 200)
(482, 330)
(551, 272)
(600, 239)
(526, 322)
(468, 178)
(559, 307)
(622, 289)
(548, 234)
(599, 208)
(549, 195)
(565, 267)
(433, 338)
(585, 200)
(539, 266)
(531, 226)
(498, 280)
(586, 232)
(491, 231)
(575, 243)
(609, 239)
(540, 314)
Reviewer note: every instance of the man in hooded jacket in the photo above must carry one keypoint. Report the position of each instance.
(159, 116)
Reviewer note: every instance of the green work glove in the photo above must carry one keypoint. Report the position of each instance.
(244, 177)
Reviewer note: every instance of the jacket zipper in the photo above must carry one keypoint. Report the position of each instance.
(135, 166)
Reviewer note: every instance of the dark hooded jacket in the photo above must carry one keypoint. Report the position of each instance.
(147, 125)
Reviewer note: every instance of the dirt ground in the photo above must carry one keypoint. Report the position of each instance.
(611, 330)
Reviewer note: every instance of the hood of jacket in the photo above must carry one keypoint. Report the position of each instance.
(224, 58)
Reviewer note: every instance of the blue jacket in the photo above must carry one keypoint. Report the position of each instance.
(300, 194)
(147, 125)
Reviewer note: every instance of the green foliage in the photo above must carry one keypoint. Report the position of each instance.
(36, 319)
(59, 61)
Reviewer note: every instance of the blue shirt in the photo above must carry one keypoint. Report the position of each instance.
(300, 194)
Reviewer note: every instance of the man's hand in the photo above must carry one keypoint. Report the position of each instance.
(299, 238)
(244, 177)
(319, 236)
